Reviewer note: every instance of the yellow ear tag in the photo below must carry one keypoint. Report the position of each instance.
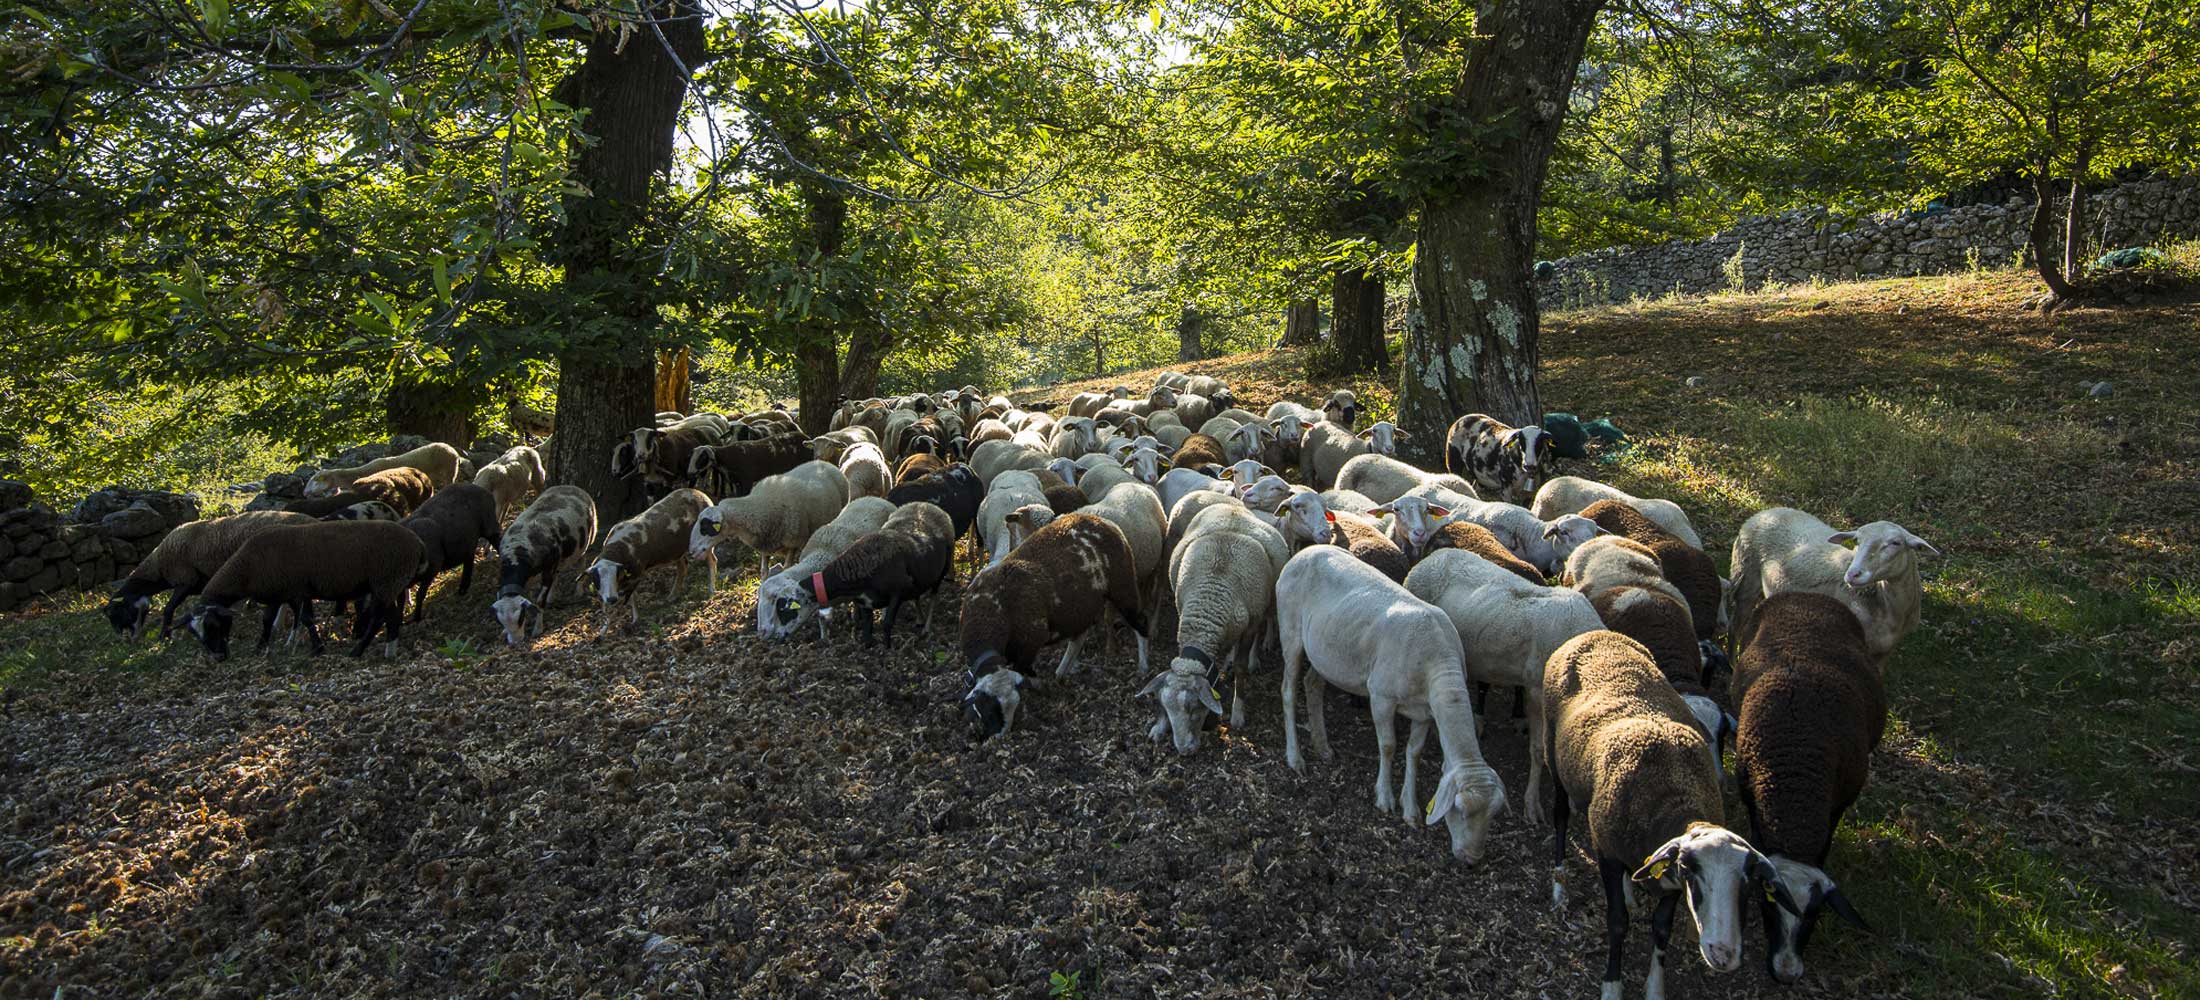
(1431, 807)
(1657, 871)
(1770, 896)
(1214, 693)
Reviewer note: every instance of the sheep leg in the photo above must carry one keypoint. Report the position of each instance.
(1294, 660)
(1069, 657)
(1661, 928)
(1536, 764)
(466, 568)
(1244, 663)
(679, 579)
(395, 620)
(1317, 722)
(1386, 743)
(1562, 810)
(1615, 922)
(1416, 738)
(313, 631)
(168, 614)
(931, 601)
(364, 625)
(710, 558)
(420, 600)
(267, 626)
(893, 611)
(759, 566)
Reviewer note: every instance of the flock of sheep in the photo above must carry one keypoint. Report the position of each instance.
(1399, 585)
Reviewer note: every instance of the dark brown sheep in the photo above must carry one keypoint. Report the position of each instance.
(1684, 565)
(294, 565)
(1470, 537)
(403, 489)
(1056, 585)
(917, 467)
(1367, 540)
(1198, 452)
(736, 467)
(451, 527)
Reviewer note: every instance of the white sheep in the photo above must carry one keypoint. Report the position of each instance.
(1609, 561)
(864, 466)
(1507, 628)
(781, 607)
(1223, 571)
(1074, 436)
(1542, 544)
(1573, 494)
(995, 457)
(1102, 477)
(1135, 508)
(1010, 490)
(1384, 478)
(1176, 483)
(1784, 549)
(512, 477)
(1369, 636)
(775, 518)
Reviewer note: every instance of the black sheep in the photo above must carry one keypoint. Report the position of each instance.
(451, 527)
(906, 559)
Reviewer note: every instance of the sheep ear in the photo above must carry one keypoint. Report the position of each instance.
(1384, 509)
(1152, 686)
(777, 567)
(1400, 434)
(1919, 543)
(1659, 866)
(1841, 537)
(1447, 795)
(1211, 698)
(1551, 530)
(1366, 434)
(1439, 511)
(1839, 904)
(1281, 508)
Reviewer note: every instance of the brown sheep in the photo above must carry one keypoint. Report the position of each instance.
(1686, 567)
(1056, 585)
(1467, 536)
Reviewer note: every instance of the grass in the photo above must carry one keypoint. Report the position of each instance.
(2033, 826)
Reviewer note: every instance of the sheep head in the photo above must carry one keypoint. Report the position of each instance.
(1716, 867)
(1884, 551)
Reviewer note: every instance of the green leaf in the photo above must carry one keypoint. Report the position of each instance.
(442, 279)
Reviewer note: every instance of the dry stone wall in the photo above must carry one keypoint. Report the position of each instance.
(1795, 247)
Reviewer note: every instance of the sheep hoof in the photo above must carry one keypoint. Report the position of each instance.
(1297, 763)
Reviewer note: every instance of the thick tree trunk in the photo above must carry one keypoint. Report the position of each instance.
(632, 90)
(1190, 325)
(1475, 348)
(434, 410)
(1302, 324)
(1356, 322)
(2043, 236)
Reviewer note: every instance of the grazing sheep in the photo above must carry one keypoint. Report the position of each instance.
(665, 456)
(1194, 409)
(864, 466)
(1686, 567)
(1056, 585)
(1010, 491)
(1384, 479)
(780, 605)
(652, 538)
(1181, 514)
(1197, 451)
(733, 468)
(1062, 497)
(955, 490)
(775, 519)
(1573, 494)
(1174, 380)
(1497, 455)
(1368, 539)
(558, 526)
(1158, 399)
(1085, 404)
(1623, 747)
(439, 462)
(1341, 407)
(1468, 537)
(995, 457)
(294, 565)
(1323, 452)
(403, 489)
(1784, 549)
(183, 561)
(1223, 572)
(514, 475)
(366, 510)
(451, 527)
(1137, 510)
(1074, 436)
(906, 559)
(1177, 483)
(1813, 708)
(1508, 628)
(1367, 635)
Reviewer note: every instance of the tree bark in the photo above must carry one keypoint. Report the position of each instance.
(632, 89)
(1190, 325)
(437, 411)
(1302, 324)
(1356, 322)
(675, 385)
(2074, 220)
(2043, 236)
(1475, 347)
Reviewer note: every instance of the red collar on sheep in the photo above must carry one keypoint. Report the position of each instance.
(817, 586)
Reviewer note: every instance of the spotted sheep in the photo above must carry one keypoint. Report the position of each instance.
(655, 537)
(1057, 585)
(558, 526)
(1496, 455)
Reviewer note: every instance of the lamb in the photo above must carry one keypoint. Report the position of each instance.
(1342, 407)
(1508, 628)
(1496, 455)
(403, 489)
(1223, 573)
(780, 607)
(776, 518)
(184, 561)
(1369, 636)
(1813, 707)
(906, 559)
(1573, 494)
(558, 526)
(732, 469)
(1384, 478)
(1056, 585)
(1197, 451)
(1010, 491)
(451, 527)
(864, 467)
(439, 462)
(512, 477)
(1469, 537)
(1686, 567)
(1323, 452)
(1062, 497)
(652, 538)
(917, 466)
(1784, 549)
(1622, 745)
(293, 565)
(1661, 624)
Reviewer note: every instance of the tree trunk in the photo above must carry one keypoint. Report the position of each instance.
(2043, 236)
(437, 411)
(1302, 324)
(1190, 324)
(632, 90)
(1475, 348)
(675, 385)
(2074, 224)
(1356, 322)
